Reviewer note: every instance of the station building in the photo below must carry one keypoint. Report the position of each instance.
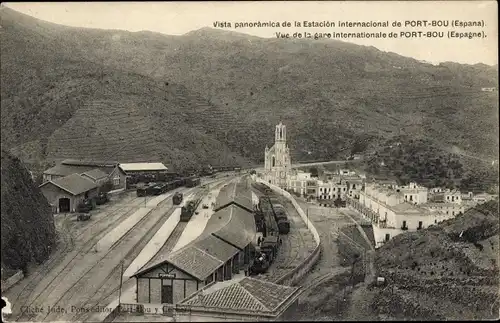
(225, 250)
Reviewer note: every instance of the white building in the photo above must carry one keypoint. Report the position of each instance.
(394, 209)
(277, 163)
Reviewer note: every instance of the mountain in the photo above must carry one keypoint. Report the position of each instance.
(28, 232)
(228, 90)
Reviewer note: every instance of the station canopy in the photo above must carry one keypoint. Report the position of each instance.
(143, 167)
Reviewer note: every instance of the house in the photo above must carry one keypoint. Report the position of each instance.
(65, 193)
(71, 166)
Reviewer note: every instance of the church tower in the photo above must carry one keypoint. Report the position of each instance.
(277, 163)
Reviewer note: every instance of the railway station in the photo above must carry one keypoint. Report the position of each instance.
(223, 251)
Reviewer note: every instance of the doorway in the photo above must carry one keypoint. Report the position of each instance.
(167, 295)
(64, 205)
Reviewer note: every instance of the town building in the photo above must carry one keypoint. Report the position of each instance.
(394, 209)
(65, 193)
(277, 163)
(70, 166)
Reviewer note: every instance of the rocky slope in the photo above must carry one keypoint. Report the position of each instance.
(28, 232)
(448, 271)
(232, 89)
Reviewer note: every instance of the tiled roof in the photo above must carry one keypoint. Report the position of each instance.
(65, 170)
(248, 294)
(96, 174)
(74, 184)
(216, 247)
(239, 229)
(235, 193)
(194, 261)
(94, 163)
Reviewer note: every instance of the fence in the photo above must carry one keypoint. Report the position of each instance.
(293, 276)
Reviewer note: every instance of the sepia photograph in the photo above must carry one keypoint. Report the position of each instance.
(249, 161)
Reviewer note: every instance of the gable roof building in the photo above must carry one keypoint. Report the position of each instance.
(73, 184)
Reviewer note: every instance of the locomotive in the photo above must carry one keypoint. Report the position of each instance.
(188, 210)
(177, 198)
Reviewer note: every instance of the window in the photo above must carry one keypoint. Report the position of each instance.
(420, 224)
(209, 279)
(116, 181)
(411, 197)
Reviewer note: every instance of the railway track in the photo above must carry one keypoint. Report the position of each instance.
(69, 244)
(88, 275)
(85, 249)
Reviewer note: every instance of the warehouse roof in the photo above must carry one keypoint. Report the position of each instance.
(228, 231)
(235, 193)
(95, 163)
(74, 184)
(95, 174)
(237, 226)
(248, 294)
(138, 167)
(65, 170)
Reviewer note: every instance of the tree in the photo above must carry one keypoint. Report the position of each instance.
(313, 171)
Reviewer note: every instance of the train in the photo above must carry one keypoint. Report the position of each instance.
(159, 188)
(177, 198)
(272, 207)
(188, 210)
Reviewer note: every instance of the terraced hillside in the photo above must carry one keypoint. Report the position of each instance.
(448, 271)
(233, 88)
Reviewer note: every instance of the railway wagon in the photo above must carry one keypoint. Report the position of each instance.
(145, 190)
(283, 226)
(159, 189)
(270, 246)
(192, 182)
(177, 198)
(188, 210)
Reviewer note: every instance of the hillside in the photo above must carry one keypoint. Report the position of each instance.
(230, 90)
(28, 232)
(451, 271)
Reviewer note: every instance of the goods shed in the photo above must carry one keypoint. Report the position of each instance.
(131, 168)
(67, 192)
(217, 255)
(95, 169)
(248, 299)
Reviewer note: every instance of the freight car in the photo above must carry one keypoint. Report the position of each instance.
(145, 190)
(193, 181)
(188, 210)
(85, 206)
(283, 226)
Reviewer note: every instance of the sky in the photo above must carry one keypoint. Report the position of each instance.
(177, 18)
